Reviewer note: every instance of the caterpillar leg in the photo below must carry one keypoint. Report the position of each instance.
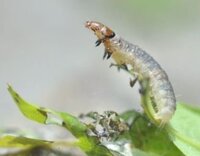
(98, 42)
(133, 81)
(124, 67)
(120, 66)
(106, 54)
(142, 91)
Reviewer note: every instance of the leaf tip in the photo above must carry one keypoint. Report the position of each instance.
(9, 87)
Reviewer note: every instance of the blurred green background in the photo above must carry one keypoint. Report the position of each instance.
(49, 57)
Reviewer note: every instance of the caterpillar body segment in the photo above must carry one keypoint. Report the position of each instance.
(158, 98)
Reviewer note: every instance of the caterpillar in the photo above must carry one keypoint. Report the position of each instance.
(145, 70)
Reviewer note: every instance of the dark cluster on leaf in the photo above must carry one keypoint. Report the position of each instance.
(108, 126)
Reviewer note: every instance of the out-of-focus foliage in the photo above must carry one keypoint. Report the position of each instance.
(142, 139)
(71, 123)
(186, 129)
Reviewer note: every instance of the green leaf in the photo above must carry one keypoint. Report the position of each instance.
(93, 147)
(48, 116)
(186, 129)
(137, 152)
(21, 146)
(32, 112)
(14, 141)
(151, 139)
(130, 115)
(90, 145)
(77, 128)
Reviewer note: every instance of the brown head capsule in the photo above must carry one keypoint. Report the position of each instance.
(100, 30)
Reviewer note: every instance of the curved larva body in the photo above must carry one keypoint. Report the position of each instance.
(144, 67)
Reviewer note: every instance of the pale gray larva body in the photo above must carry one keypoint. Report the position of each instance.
(145, 66)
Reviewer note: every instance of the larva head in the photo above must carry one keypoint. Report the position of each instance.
(100, 30)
